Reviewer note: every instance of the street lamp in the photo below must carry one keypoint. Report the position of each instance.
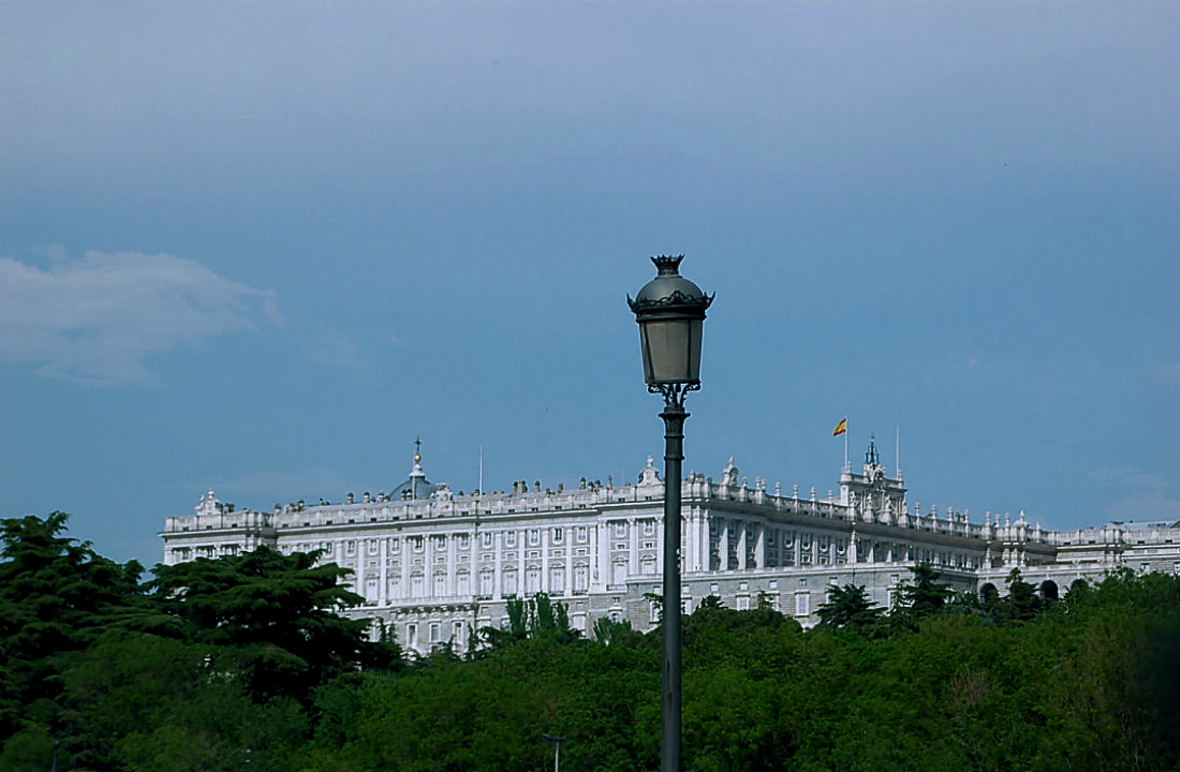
(557, 741)
(670, 311)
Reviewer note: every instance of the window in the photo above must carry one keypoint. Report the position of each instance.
(802, 604)
(463, 580)
(351, 547)
(509, 581)
(395, 587)
(648, 565)
(510, 538)
(557, 581)
(620, 529)
(412, 635)
(649, 527)
(417, 586)
(534, 535)
(372, 546)
(486, 579)
(440, 542)
(395, 544)
(487, 539)
(558, 535)
(440, 585)
(435, 632)
(582, 533)
(743, 603)
(457, 632)
(743, 586)
(581, 578)
(619, 573)
(464, 541)
(417, 540)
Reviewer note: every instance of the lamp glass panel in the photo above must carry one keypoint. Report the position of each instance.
(667, 347)
(696, 327)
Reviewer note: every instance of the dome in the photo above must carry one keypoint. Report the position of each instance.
(416, 485)
(669, 288)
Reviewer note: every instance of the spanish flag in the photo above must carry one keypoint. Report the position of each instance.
(841, 428)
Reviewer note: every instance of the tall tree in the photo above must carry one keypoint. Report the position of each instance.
(849, 606)
(922, 594)
(279, 611)
(57, 596)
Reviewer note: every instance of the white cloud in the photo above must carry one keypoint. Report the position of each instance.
(98, 319)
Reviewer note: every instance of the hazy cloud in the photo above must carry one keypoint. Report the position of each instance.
(98, 319)
(1145, 495)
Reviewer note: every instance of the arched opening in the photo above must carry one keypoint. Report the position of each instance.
(988, 593)
(1077, 588)
(1049, 590)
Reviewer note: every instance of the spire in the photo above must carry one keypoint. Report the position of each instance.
(416, 474)
(871, 457)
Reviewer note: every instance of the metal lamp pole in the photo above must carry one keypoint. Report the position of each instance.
(670, 311)
(557, 741)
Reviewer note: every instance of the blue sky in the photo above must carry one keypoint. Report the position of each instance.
(261, 247)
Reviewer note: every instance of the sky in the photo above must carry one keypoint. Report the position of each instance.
(262, 247)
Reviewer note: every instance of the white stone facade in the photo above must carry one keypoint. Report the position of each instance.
(433, 565)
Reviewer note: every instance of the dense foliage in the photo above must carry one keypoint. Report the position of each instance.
(243, 663)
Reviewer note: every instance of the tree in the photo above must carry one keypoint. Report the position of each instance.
(848, 606)
(922, 594)
(535, 617)
(279, 612)
(1022, 602)
(57, 596)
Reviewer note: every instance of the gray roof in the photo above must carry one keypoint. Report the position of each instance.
(1147, 525)
(415, 487)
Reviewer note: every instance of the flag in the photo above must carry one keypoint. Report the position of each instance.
(841, 428)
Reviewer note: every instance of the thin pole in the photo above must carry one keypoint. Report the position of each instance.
(897, 453)
(673, 416)
(481, 470)
(557, 756)
(846, 447)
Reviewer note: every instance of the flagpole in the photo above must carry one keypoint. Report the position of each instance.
(845, 448)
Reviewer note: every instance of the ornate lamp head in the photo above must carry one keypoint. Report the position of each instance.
(670, 311)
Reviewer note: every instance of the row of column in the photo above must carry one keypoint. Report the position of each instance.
(428, 569)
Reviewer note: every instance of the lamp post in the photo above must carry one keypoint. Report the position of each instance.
(557, 741)
(670, 311)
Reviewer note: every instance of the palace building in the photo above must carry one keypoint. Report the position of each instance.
(433, 565)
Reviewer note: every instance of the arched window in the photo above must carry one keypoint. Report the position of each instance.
(988, 593)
